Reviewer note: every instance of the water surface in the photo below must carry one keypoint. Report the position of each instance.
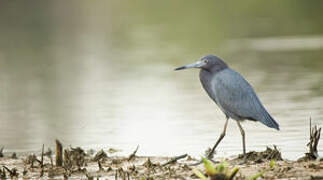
(100, 75)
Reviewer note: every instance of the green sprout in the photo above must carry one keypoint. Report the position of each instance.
(254, 177)
(271, 164)
(214, 172)
(221, 171)
(261, 173)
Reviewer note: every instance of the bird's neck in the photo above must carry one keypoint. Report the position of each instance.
(217, 68)
(205, 76)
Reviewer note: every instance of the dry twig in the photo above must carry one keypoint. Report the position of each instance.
(315, 134)
(59, 153)
(42, 157)
(133, 155)
(1, 152)
(174, 159)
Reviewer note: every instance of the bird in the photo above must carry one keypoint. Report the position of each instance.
(233, 95)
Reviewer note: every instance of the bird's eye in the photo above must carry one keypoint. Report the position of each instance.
(206, 61)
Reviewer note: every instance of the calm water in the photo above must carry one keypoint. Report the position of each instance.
(101, 75)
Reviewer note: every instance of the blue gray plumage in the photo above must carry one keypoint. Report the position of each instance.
(231, 92)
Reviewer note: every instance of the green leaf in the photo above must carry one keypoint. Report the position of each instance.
(254, 177)
(233, 172)
(220, 168)
(209, 167)
(199, 174)
(272, 163)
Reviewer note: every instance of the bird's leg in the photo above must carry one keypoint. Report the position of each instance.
(243, 140)
(219, 140)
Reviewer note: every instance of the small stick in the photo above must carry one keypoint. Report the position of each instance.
(59, 153)
(128, 176)
(1, 151)
(49, 155)
(124, 175)
(24, 173)
(89, 177)
(310, 125)
(13, 172)
(14, 155)
(3, 173)
(315, 134)
(38, 161)
(133, 154)
(116, 175)
(65, 176)
(42, 172)
(10, 172)
(200, 162)
(174, 159)
(33, 159)
(42, 157)
(100, 166)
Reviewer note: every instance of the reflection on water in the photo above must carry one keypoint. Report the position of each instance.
(101, 75)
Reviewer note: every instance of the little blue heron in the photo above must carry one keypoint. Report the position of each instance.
(232, 93)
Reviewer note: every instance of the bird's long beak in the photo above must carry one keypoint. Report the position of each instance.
(198, 64)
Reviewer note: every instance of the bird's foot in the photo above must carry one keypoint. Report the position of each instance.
(209, 153)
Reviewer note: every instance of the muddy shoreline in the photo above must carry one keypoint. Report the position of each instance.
(103, 164)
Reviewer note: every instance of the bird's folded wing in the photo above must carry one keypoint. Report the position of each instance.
(235, 95)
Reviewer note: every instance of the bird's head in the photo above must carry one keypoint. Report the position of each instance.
(210, 63)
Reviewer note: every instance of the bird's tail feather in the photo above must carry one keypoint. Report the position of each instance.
(269, 121)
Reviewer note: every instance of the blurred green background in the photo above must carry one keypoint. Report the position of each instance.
(100, 73)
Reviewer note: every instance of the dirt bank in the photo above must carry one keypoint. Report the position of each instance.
(78, 164)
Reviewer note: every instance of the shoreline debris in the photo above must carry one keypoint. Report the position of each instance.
(100, 155)
(1, 152)
(174, 159)
(74, 157)
(75, 163)
(12, 172)
(133, 155)
(14, 155)
(315, 134)
(259, 157)
(42, 157)
(59, 153)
